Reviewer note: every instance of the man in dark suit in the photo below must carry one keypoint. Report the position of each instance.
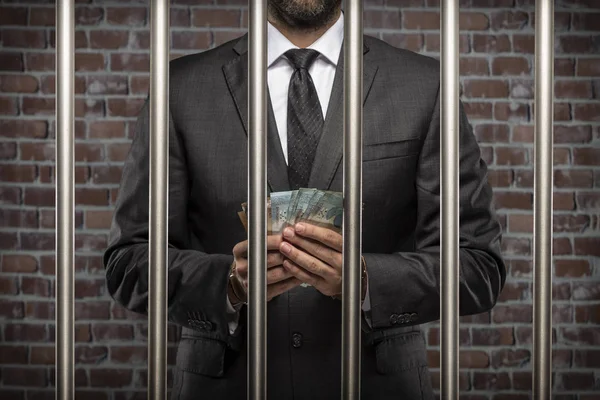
(401, 219)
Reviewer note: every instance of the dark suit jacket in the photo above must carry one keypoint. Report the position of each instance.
(401, 229)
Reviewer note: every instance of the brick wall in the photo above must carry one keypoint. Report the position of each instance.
(112, 63)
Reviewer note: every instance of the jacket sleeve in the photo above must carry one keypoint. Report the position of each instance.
(196, 280)
(405, 286)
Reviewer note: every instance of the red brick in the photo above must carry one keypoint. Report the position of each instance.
(89, 62)
(478, 110)
(572, 133)
(433, 338)
(231, 18)
(43, 355)
(35, 286)
(514, 291)
(24, 38)
(112, 331)
(510, 66)
(573, 178)
(575, 44)
(13, 355)
(508, 20)
(500, 179)
(20, 263)
(588, 201)
(32, 332)
(510, 111)
(409, 41)
(197, 40)
(40, 61)
(513, 313)
(493, 336)
(8, 150)
(220, 37)
(108, 39)
(516, 247)
(572, 268)
(108, 84)
(112, 378)
(587, 112)
(28, 377)
(485, 89)
(474, 66)
(88, 15)
(18, 218)
(13, 16)
(128, 107)
(88, 309)
(11, 61)
(8, 106)
(118, 151)
(107, 130)
(524, 44)
(128, 16)
(90, 354)
(586, 156)
(130, 62)
(38, 106)
(491, 381)
(18, 84)
(38, 196)
(44, 16)
(129, 355)
(573, 89)
(588, 67)
(490, 44)
(17, 173)
(37, 241)
(564, 67)
(579, 381)
(511, 156)
(587, 246)
(10, 309)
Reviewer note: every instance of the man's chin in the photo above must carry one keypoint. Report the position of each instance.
(305, 14)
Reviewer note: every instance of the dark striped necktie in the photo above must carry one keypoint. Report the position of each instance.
(304, 119)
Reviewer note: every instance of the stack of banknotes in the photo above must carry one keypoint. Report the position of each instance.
(318, 207)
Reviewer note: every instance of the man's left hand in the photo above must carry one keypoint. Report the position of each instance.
(314, 256)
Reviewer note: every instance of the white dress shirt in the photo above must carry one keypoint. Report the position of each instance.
(279, 73)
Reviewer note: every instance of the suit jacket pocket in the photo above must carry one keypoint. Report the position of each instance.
(201, 356)
(400, 353)
(400, 148)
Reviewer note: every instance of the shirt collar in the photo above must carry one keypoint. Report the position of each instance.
(329, 44)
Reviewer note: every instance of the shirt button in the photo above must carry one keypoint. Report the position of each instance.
(297, 340)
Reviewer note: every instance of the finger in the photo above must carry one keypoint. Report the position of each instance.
(273, 242)
(241, 268)
(274, 259)
(308, 262)
(240, 250)
(324, 253)
(302, 274)
(281, 287)
(320, 234)
(277, 274)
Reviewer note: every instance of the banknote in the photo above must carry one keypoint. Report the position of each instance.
(280, 202)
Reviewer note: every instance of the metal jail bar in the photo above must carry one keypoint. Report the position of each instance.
(257, 156)
(158, 198)
(65, 199)
(542, 212)
(449, 167)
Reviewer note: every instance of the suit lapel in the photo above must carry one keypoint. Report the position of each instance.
(236, 75)
(331, 146)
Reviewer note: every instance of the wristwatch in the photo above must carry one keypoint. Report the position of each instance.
(235, 288)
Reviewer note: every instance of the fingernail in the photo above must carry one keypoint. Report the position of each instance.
(288, 233)
(286, 248)
(300, 228)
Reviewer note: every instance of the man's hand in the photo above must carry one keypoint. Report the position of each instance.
(279, 280)
(314, 256)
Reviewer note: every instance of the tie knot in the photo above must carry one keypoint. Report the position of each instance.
(302, 58)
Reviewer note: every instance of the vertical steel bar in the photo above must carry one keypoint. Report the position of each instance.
(65, 198)
(159, 189)
(449, 268)
(542, 212)
(352, 226)
(257, 199)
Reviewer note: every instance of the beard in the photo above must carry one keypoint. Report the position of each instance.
(304, 14)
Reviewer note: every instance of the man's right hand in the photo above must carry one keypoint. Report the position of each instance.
(279, 280)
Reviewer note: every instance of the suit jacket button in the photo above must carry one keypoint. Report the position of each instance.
(414, 317)
(394, 319)
(297, 340)
(402, 319)
(208, 325)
